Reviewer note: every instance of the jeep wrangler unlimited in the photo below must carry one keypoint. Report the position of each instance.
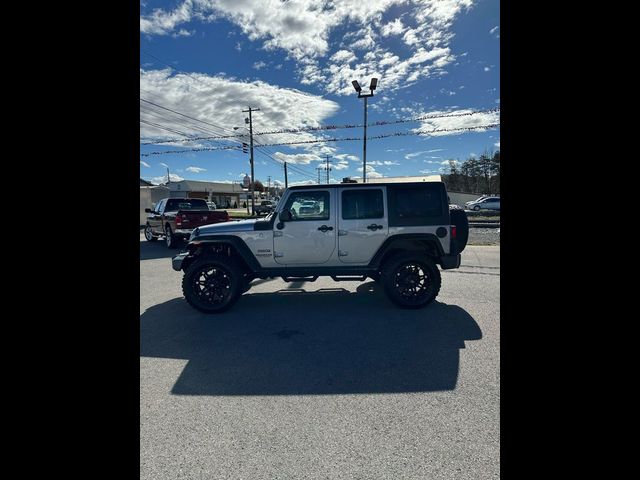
(395, 233)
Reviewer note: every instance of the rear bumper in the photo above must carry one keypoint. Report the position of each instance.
(176, 262)
(183, 232)
(450, 261)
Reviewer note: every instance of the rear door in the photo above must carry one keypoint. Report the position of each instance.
(362, 224)
(310, 237)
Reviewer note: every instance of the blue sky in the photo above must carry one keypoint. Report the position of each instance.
(295, 60)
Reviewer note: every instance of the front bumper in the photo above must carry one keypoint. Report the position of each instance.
(176, 262)
(184, 232)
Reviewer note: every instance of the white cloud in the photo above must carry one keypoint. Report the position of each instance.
(343, 56)
(145, 164)
(196, 169)
(497, 144)
(183, 33)
(219, 101)
(409, 156)
(460, 122)
(486, 69)
(299, 158)
(163, 179)
(259, 65)
(494, 31)
(393, 28)
(345, 156)
(163, 165)
(302, 28)
(381, 163)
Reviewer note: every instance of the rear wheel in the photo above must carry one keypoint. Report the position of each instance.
(212, 284)
(148, 234)
(170, 238)
(411, 281)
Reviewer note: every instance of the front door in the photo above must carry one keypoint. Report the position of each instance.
(363, 224)
(310, 237)
(155, 219)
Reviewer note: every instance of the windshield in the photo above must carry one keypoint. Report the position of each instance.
(185, 204)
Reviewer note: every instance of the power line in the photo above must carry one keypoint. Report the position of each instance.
(339, 127)
(349, 139)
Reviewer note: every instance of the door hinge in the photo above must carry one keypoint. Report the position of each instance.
(342, 233)
(342, 253)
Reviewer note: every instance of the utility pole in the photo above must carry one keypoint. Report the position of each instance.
(269, 187)
(318, 169)
(328, 168)
(168, 177)
(253, 197)
(286, 182)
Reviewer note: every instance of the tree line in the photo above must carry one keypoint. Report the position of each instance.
(478, 175)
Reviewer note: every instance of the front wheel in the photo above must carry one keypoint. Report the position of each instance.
(212, 284)
(476, 208)
(148, 234)
(411, 281)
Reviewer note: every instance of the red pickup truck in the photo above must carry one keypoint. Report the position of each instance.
(175, 218)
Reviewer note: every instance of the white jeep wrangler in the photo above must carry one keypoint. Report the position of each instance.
(394, 233)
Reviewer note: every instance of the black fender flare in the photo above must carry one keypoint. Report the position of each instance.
(245, 253)
(407, 242)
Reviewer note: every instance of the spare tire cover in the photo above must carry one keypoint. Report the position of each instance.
(459, 219)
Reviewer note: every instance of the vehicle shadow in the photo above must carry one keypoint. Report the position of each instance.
(294, 342)
(157, 249)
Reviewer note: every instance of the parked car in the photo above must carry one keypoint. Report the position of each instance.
(265, 207)
(485, 203)
(175, 218)
(211, 205)
(309, 207)
(398, 234)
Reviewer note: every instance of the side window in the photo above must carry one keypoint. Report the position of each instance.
(359, 204)
(160, 206)
(305, 205)
(417, 205)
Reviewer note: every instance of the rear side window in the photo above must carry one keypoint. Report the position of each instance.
(359, 204)
(416, 205)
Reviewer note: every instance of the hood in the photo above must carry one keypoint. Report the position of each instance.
(226, 227)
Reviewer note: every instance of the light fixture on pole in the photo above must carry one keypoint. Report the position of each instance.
(358, 88)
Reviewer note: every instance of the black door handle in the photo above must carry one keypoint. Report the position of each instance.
(374, 227)
(324, 228)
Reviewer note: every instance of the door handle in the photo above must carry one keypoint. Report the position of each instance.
(324, 228)
(374, 227)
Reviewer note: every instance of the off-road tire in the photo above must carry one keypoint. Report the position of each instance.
(399, 271)
(230, 283)
(148, 234)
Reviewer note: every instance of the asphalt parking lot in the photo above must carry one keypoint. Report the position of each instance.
(320, 380)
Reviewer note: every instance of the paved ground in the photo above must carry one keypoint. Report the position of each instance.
(320, 380)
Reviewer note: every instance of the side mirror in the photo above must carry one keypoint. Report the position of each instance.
(148, 210)
(285, 216)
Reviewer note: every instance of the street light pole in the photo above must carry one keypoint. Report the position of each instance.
(364, 144)
(372, 87)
